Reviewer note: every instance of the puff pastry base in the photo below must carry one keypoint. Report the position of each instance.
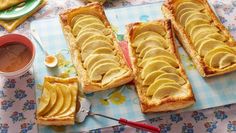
(165, 104)
(87, 85)
(187, 44)
(64, 120)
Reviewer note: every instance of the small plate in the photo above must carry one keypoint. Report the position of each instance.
(19, 10)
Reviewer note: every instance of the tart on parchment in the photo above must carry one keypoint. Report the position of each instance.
(202, 35)
(98, 59)
(57, 104)
(160, 80)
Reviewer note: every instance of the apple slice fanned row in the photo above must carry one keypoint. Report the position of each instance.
(95, 52)
(160, 80)
(206, 40)
(57, 104)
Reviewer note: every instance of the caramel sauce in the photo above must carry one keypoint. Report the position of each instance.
(14, 56)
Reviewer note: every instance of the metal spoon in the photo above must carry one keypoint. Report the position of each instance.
(50, 60)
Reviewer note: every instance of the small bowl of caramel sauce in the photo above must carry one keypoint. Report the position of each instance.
(17, 54)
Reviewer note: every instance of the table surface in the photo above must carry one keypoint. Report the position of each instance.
(18, 104)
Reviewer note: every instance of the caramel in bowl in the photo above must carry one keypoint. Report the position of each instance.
(17, 54)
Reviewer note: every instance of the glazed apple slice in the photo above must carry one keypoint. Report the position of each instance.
(227, 60)
(101, 69)
(167, 91)
(59, 102)
(44, 101)
(201, 31)
(93, 58)
(153, 66)
(158, 42)
(85, 34)
(112, 74)
(172, 76)
(220, 49)
(79, 24)
(145, 36)
(207, 45)
(190, 25)
(189, 4)
(102, 61)
(156, 52)
(169, 59)
(156, 84)
(93, 45)
(150, 27)
(67, 99)
(215, 59)
(103, 50)
(151, 77)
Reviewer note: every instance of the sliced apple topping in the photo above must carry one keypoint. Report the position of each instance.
(202, 31)
(189, 25)
(170, 69)
(217, 36)
(98, 71)
(84, 34)
(158, 42)
(151, 77)
(207, 45)
(167, 91)
(103, 50)
(197, 15)
(102, 61)
(215, 59)
(227, 60)
(190, 4)
(112, 74)
(152, 66)
(58, 105)
(44, 101)
(183, 18)
(92, 45)
(147, 48)
(157, 51)
(174, 77)
(156, 84)
(95, 38)
(71, 109)
(93, 58)
(144, 36)
(169, 59)
(220, 49)
(67, 98)
(79, 24)
(182, 11)
(150, 27)
(98, 26)
(75, 18)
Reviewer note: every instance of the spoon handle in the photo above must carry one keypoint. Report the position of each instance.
(37, 38)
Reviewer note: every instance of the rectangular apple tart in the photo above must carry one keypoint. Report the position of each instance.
(202, 35)
(97, 56)
(57, 104)
(160, 80)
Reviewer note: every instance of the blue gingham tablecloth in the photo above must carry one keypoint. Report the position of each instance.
(221, 119)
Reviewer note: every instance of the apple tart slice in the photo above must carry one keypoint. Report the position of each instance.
(205, 39)
(160, 80)
(57, 104)
(98, 59)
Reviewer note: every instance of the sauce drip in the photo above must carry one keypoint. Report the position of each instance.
(14, 56)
